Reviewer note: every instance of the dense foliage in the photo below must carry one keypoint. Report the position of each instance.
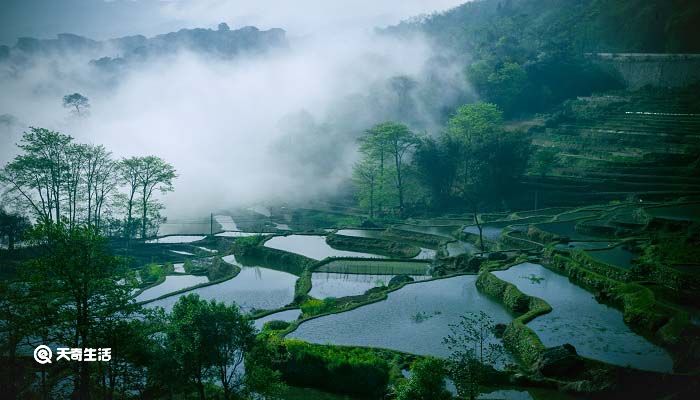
(56, 179)
(474, 161)
(335, 369)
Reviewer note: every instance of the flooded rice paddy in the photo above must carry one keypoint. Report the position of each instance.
(365, 233)
(179, 267)
(489, 232)
(237, 234)
(445, 231)
(331, 284)
(584, 245)
(596, 330)
(413, 319)
(616, 256)
(460, 247)
(176, 239)
(253, 288)
(171, 284)
(312, 246)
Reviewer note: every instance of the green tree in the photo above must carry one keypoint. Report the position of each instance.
(427, 382)
(471, 125)
(210, 340)
(474, 350)
(55, 178)
(100, 180)
(187, 341)
(153, 174)
(232, 337)
(77, 271)
(473, 121)
(436, 163)
(128, 172)
(366, 176)
(13, 226)
(544, 160)
(35, 179)
(143, 176)
(395, 141)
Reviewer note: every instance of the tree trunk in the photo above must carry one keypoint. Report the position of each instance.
(371, 199)
(481, 234)
(200, 388)
(399, 183)
(143, 221)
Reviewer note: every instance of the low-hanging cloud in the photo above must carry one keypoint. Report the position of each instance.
(228, 125)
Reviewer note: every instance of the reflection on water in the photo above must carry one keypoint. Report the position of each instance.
(584, 245)
(312, 246)
(425, 254)
(617, 256)
(460, 247)
(176, 239)
(597, 331)
(445, 231)
(171, 284)
(226, 222)
(391, 324)
(489, 232)
(253, 288)
(330, 284)
(365, 233)
(565, 229)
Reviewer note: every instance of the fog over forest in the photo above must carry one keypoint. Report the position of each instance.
(234, 121)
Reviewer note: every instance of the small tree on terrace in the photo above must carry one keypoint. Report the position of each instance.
(13, 226)
(366, 175)
(393, 140)
(78, 103)
(475, 350)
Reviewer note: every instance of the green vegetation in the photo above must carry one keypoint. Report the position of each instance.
(377, 246)
(474, 351)
(427, 382)
(539, 118)
(517, 337)
(335, 369)
(152, 273)
(381, 172)
(312, 307)
(55, 178)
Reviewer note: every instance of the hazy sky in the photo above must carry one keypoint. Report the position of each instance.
(224, 124)
(102, 19)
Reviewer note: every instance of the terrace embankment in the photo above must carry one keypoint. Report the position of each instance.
(388, 248)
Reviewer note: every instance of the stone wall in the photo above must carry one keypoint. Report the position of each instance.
(662, 70)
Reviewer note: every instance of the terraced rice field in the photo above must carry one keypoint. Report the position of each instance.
(375, 267)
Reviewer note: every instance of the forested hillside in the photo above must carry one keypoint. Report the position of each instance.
(527, 55)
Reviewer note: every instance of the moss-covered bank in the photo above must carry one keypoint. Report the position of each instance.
(372, 245)
(518, 338)
(668, 326)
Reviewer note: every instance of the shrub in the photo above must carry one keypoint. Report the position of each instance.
(151, 273)
(315, 306)
(276, 325)
(352, 371)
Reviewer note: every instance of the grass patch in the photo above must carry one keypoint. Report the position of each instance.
(370, 245)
